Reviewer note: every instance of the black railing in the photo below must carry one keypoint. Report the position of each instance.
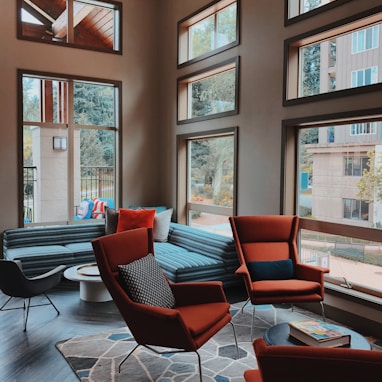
(96, 182)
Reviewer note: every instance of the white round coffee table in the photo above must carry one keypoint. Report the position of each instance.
(92, 287)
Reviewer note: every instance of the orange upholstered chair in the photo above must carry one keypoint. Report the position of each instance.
(200, 309)
(269, 261)
(313, 364)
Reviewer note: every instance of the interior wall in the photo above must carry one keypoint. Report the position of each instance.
(136, 68)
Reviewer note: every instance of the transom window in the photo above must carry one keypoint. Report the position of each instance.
(69, 145)
(326, 62)
(207, 31)
(363, 128)
(86, 24)
(210, 93)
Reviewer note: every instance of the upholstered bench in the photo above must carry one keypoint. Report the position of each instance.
(40, 249)
(191, 254)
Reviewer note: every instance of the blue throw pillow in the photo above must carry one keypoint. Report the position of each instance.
(271, 270)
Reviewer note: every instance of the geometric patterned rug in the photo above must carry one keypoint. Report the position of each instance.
(95, 358)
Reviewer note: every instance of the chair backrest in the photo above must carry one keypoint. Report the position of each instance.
(314, 364)
(265, 238)
(118, 249)
(12, 279)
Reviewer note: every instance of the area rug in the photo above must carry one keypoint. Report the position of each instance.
(95, 358)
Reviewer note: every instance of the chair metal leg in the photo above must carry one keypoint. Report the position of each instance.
(234, 336)
(26, 312)
(6, 302)
(127, 356)
(51, 302)
(323, 310)
(245, 304)
(200, 366)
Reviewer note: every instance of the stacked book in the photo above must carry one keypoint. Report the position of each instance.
(318, 333)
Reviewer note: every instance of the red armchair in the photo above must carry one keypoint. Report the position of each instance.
(200, 311)
(269, 262)
(313, 364)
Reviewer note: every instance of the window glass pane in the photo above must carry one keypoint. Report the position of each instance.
(214, 94)
(340, 181)
(226, 26)
(202, 37)
(66, 169)
(299, 7)
(211, 182)
(206, 30)
(349, 60)
(351, 261)
(94, 104)
(95, 24)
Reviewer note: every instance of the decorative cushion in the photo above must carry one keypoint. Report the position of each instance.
(98, 211)
(111, 220)
(146, 283)
(85, 209)
(271, 270)
(131, 219)
(162, 225)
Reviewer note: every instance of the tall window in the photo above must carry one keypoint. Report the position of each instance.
(210, 163)
(339, 200)
(87, 24)
(69, 132)
(208, 31)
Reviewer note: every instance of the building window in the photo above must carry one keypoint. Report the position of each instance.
(364, 77)
(356, 209)
(208, 31)
(365, 39)
(338, 195)
(313, 58)
(210, 93)
(209, 194)
(363, 128)
(69, 145)
(355, 165)
(86, 24)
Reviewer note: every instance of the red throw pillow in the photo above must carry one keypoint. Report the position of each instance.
(131, 219)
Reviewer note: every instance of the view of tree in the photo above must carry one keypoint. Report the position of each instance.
(214, 94)
(370, 184)
(310, 70)
(212, 169)
(202, 34)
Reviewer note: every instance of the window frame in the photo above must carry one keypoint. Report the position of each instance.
(303, 16)
(292, 57)
(21, 73)
(183, 102)
(183, 203)
(183, 25)
(289, 184)
(117, 29)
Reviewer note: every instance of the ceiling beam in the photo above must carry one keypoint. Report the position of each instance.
(80, 11)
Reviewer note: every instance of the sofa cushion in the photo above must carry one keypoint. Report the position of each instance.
(162, 225)
(111, 220)
(146, 283)
(131, 219)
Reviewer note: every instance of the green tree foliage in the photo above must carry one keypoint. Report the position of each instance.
(311, 70)
(370, 184)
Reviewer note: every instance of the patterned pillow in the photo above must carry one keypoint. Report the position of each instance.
(98, 211)
(146, 283)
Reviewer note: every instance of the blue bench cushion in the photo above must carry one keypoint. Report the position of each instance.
(181, 265)
(40, 258)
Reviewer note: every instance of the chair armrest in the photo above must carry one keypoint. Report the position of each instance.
(198, 292)
(58, 269)
(310, 272)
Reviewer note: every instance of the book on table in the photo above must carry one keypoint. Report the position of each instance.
(318, 333)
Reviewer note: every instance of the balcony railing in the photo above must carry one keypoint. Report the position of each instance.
(95, 182)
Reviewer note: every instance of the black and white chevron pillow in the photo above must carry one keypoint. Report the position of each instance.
(146, 283)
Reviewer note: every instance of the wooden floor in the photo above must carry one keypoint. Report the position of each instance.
(31, 356)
